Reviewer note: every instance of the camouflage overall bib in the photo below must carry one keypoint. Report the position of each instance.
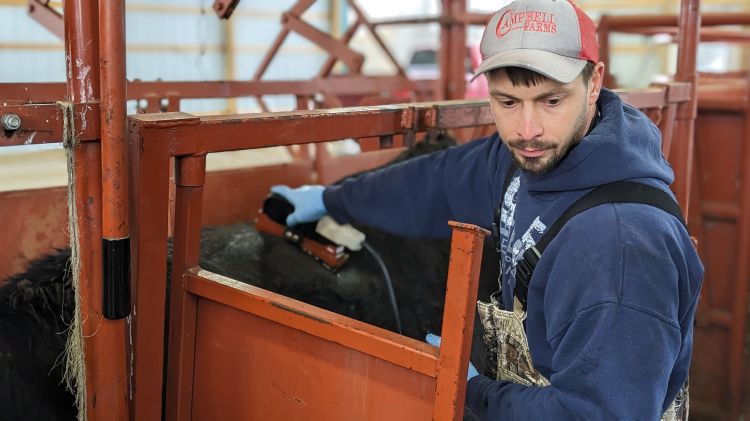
(509, 359)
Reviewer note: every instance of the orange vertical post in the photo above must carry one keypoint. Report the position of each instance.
(738, 345)
(115, 223)
(682, 148)
(150, 222)
(104, 346)
(149, 189)
(452, 55)
(460, 298)
(603, 32)
(190, 181)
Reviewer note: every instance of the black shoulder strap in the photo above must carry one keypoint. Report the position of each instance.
(617, 192)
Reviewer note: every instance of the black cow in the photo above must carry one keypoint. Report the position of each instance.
(36, 308)
(37, 305)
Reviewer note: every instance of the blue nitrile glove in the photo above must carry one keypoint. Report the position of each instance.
(434, 340)
(307, 202)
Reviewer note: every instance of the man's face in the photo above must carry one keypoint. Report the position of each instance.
(541, 123)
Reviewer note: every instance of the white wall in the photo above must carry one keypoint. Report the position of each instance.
(174, 40)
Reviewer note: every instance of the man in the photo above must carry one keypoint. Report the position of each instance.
(609, 310)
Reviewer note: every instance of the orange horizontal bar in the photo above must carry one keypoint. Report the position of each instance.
(644, 98)
(464, 114)
(225, 133)
(621, 22)
(380, 343)
(43, 123)
(248, 131)
(720, 210)
(350, 85)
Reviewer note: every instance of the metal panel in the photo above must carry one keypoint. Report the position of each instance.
(236, 340)
(248, 367)
(35, 222)
(724, 215)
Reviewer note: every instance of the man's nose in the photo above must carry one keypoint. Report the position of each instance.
(529, 126)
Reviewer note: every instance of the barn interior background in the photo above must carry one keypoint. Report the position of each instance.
(184, 40)
(180, 40)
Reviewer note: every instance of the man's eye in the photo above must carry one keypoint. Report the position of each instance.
(553, 102)
(507, 103)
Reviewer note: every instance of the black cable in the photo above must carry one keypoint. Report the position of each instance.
(388, 283)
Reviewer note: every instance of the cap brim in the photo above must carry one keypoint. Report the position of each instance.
(560, 68)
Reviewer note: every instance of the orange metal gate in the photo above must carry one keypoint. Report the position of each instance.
(230, 343)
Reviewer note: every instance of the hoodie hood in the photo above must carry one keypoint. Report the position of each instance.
(624, 145)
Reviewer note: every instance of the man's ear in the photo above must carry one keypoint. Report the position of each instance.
(595, 84)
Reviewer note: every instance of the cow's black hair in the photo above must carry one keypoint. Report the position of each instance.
(36, 308)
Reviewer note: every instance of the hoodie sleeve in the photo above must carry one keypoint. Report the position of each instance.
(613, 319)
(417, 198)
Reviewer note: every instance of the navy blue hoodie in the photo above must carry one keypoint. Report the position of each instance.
(612, 300)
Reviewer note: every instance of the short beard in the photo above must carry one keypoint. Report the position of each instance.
(534, 165)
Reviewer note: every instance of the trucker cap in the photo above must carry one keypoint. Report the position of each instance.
(551, 37)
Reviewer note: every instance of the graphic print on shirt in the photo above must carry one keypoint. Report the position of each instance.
(511, 255)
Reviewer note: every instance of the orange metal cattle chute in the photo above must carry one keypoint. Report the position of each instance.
(208, 310)
(215, 322)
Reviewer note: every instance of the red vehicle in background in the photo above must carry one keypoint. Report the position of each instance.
(478, 87)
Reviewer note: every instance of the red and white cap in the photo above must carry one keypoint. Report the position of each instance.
(551, 37)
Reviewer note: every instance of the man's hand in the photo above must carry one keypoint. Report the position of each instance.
(434, 340)
(307, 202)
